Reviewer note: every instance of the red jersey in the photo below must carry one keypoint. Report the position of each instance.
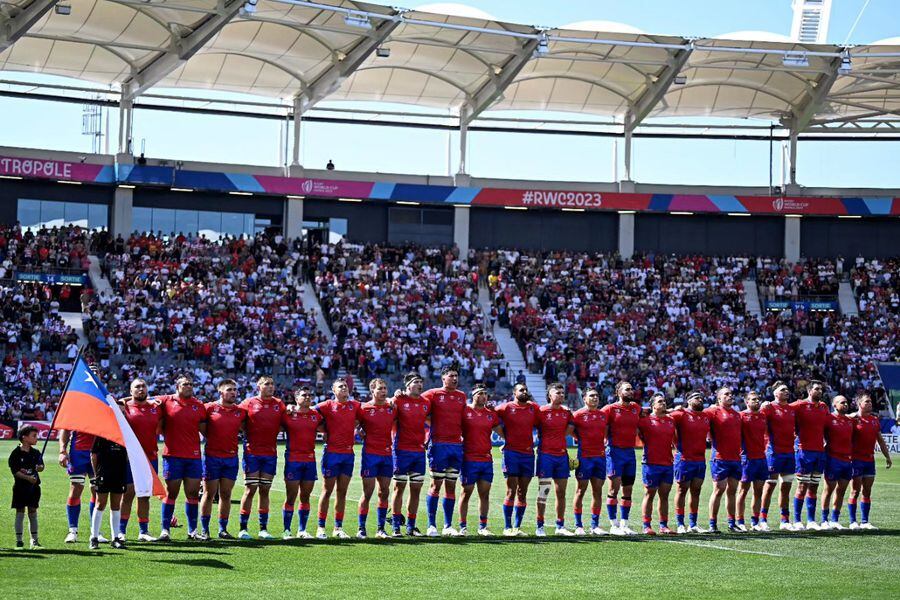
(340, 425)
(782, 427)
(478, 424)
(144, 418)
(839, 435)
(753, 434)
(263, 425)
(552, 424)
(223, 424)
(865, 435)
(411, 416)
(301, 428)
(377, 422)
(446, 415)
(693, 431)
(590, 432)
(658, 435)
(518, 422)
(811, 419)
(623, 423)
(181, 426)
(81, 442)
(725, 432)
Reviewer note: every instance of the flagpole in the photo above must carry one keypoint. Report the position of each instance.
(63, 395)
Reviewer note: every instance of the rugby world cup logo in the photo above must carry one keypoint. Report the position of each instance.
(307, 186)
(778, 204)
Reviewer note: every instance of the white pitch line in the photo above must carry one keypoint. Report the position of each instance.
(715, 547)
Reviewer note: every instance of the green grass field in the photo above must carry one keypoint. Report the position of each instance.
(811, 565)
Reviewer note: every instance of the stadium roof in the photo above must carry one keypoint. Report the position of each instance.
(328, 51)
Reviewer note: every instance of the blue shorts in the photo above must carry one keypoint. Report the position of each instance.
(725, 469)
(780, 464)
(591, 468)
(863, 468)
(80, 463)
(518, 464)
(554, 467)
(264, 465)
(685, 470)
(335, 465)
(754, 469)
(376, 465)
(408, 462)
(621, 462)
(657, 474)
(809, 462)
(836, 468)
(442, 457)
(129, 478)
(300, 471)
(474, 471)
(215, 467)
(182, 468)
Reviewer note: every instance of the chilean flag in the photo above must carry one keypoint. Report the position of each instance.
(87, 407)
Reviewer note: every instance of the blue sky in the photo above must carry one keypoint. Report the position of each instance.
(380, 149)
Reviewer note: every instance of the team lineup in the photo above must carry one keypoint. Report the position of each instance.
(756, 452)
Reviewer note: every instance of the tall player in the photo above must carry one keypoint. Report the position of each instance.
(445, 450)
(339, 416)
(590, 426)
(725, 431)
(184, 420)
(754, 469)
(301, 423)
(838, 467)
(479, 422)
(224, 422)
(264, 415)
(621, 465)
(412, 412)
(553, 424)
(376, 419)
(75, 458)
(811, 414)
(519, 418)
(145, 419)
(780, 458)
(658, 433)
(866, 432)
(692, 426)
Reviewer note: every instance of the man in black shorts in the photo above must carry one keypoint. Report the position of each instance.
(110, 461)
(26, 462)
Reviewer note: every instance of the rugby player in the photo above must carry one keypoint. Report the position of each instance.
(811, 414)
(866, 432)
(479, 422)
(658, 434)
(754, 469)
(412, 412)
(553, 424)
(725, 431)
(838, 457)
(184, 420)
(75, 458)
(445, 449)
(225, 419)
(692, 426)
(376, 420)
(145, 419)
(590, 426)
(339, 417)
(301, 424)
(781, 423)
(621, 466)
(264, 414)
(518, 418)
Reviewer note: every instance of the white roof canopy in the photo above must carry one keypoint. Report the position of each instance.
(327, 51)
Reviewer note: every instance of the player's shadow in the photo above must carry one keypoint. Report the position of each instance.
(44, 552)
(178, 547)
(19, 554)
(208, 563)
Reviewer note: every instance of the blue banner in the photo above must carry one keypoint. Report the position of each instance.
(801, 305)
(52, 278)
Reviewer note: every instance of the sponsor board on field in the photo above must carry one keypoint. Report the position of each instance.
(43, 428)
(6, 433)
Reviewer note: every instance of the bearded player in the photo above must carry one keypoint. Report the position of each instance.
(725, 431)
(554, 424)
(518, 418)
(339, 417)
(412, 412)
(780, 458)
(376, 420)
(301, 424)
(838, 461)
(479, 422)
(658, 434)
(224, 422)
(145, 419)
(866, 432)
(812, 414)
(621, 466)
(590, 426)
(692, 426)
(754, 469)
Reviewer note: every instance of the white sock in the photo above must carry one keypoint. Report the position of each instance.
(115, 519)
(96, 521)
